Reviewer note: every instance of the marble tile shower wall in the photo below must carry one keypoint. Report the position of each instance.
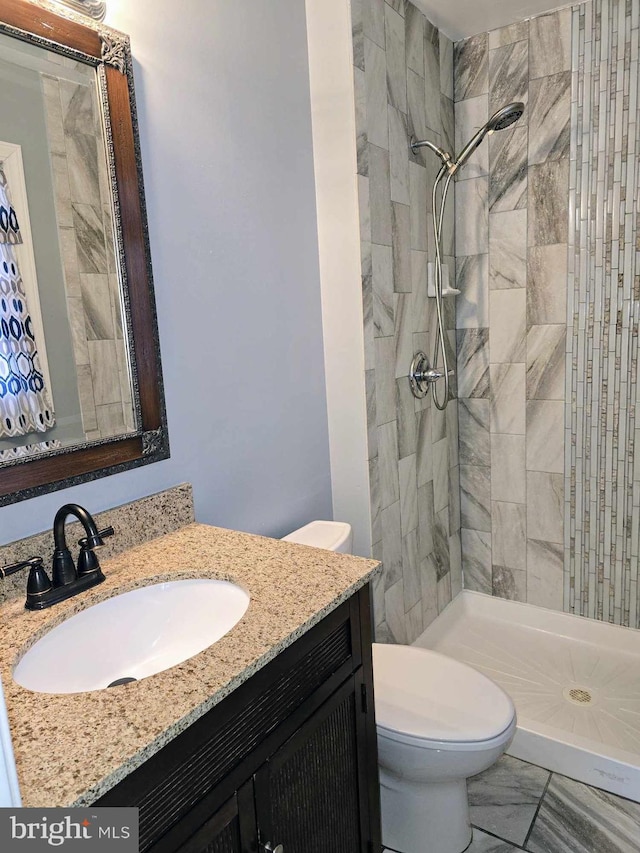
(511, 266)
(403, 69)
(83, 208)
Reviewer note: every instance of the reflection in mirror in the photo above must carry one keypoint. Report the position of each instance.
(82, 395)
(65, 375)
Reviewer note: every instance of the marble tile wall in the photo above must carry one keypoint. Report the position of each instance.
(83, 207)
(511, 266)
(602, 475)
(403, 72)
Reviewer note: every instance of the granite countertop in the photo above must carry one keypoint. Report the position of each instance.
(72, 748)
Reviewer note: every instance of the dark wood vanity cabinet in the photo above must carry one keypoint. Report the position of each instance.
(231, 829)
(288, 758)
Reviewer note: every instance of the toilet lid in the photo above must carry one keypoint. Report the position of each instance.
(426, 695)
(320, 534)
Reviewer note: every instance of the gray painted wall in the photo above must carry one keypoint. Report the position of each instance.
(223, 100)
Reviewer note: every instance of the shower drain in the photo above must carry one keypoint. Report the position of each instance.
(578, 695)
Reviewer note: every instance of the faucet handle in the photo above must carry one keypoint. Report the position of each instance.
(38, 581)
(5, 571)
(96, 541)
(87, 560)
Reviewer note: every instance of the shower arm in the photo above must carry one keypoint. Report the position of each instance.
(442, 154)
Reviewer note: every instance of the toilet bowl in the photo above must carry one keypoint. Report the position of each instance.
(438, 721)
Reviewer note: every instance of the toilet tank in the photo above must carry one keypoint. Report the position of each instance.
(331, 535)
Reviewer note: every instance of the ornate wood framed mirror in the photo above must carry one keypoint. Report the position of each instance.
(81, 393)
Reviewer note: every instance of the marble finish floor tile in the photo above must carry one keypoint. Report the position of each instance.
(503, 800)
(483, 843)
(575, 818)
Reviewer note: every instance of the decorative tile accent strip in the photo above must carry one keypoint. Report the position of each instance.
(602, 477)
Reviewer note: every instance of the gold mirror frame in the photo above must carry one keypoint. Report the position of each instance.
(108, 51)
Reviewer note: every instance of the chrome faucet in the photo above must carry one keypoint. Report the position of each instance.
(67, 580)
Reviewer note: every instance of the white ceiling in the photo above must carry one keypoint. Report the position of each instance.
(461, 18)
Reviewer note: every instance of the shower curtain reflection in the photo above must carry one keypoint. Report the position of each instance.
(25, 405)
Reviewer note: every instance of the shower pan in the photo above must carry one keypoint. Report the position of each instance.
(575, 683)
(422, 374)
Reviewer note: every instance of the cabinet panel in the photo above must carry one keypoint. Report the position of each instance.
(308, 795)
(221, 834)
(231, 829)
(226, 841)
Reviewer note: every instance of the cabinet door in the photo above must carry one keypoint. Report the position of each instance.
(231, 829)
(311, 794)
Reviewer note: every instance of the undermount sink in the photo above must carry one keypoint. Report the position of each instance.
(132, 636)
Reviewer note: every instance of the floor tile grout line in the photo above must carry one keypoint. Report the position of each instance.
(498, 837)
(535, 817)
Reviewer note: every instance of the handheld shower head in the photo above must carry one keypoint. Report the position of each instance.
(500, 120)
(506, 116)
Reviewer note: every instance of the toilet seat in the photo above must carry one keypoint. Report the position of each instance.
(428, 700)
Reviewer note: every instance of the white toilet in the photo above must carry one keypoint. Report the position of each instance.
(331, 535)
(439, 721)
